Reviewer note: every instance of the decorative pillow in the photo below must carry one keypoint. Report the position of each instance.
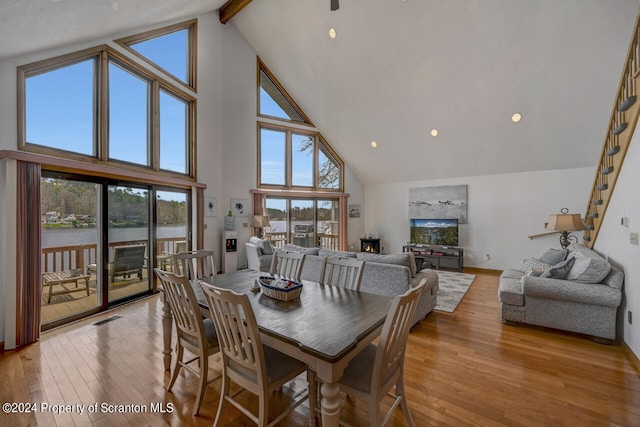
(412, 262)
(301, 249)
(398, 259)
(554, 256)
(328, 253)
(589, 267)
(535, 272)
(560, 270)
(265, 247)
(533, 263)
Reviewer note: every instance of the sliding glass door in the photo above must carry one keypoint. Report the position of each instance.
(128, 241)
(70, 232)
(100, 240)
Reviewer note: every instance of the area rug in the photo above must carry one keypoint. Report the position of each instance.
(452, 287)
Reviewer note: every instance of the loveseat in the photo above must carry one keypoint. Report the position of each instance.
(573, 289)
(388, 275)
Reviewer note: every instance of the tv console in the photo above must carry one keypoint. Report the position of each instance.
(438, 256)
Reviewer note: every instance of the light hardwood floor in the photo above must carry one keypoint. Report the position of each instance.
(462, 369)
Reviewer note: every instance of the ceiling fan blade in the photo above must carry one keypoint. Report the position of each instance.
(335, 5)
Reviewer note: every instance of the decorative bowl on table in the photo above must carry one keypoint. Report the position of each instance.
(280, 288)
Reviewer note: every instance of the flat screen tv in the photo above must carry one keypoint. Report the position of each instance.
(428, 231)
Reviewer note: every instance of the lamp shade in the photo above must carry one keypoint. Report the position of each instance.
(260, 221)
(565, 222)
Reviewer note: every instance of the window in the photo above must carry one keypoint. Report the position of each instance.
(59, 107)
(290, 157)
(171, 49)
(129, 105)
(98, 103)
(302, 221)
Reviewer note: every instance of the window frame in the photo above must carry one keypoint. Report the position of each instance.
(103, 54)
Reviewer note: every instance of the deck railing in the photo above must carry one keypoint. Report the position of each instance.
(622, 123)
(71, 257)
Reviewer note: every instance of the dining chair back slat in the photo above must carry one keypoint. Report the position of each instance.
(342, 272)
(194, 264)
(287, 264)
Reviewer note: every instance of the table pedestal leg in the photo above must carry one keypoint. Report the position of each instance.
(330, 404)
(167, 324)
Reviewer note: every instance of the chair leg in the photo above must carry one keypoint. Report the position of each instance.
(263, 410)
(203, 361)
(403, 402)
(224, 392)
(176, 367)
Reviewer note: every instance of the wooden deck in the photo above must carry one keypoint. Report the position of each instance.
(462, 369)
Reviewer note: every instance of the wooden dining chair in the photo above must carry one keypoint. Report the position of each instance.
(256, 368)
(194, 264)
(196, 334)
(377, 369)
(287, 264)
(343, 272)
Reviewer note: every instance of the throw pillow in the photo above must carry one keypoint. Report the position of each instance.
(554, 256)
(398, 259)
(412, 263)
(589, 267)
(329, 252)
(301, 249)
(265, 246)
(533, 263)
(560, 270)
(535, 272)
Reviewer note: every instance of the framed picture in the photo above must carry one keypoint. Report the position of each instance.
(240, 207)
(210, 206)
(354, 211)
(439, 202)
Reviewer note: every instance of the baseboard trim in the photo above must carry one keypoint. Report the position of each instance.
(632, 356)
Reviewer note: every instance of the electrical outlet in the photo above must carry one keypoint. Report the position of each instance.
(629, 317)
(633, 238)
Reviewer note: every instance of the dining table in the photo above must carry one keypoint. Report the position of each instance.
(325, 328)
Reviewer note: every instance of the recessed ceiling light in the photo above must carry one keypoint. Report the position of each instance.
(374, 144)
(434, 132)
(332, 33)
(516, 117)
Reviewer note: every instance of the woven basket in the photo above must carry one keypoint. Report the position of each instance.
(289, 293)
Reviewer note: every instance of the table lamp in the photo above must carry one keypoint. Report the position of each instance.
(564, 223)
(260, 222)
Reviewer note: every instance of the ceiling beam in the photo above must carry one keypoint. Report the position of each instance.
(231, 9)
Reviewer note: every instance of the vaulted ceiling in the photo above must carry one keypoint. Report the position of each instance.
(398, 69)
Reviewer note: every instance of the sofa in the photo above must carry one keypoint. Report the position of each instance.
(574, 290)
(388, 275)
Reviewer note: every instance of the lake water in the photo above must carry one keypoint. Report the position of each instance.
(81, 236)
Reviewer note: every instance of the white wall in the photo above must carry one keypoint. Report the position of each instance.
(502, 211)
(613, 241)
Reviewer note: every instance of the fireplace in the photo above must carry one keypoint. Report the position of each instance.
(370, 245)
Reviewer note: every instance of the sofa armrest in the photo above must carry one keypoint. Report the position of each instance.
(568, 290)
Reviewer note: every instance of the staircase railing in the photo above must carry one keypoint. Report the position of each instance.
(621, 127)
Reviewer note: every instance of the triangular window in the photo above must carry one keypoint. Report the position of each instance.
(274, 102)
(170, 49)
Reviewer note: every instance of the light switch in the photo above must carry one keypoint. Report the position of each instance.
(625, 221)
(633, 238)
